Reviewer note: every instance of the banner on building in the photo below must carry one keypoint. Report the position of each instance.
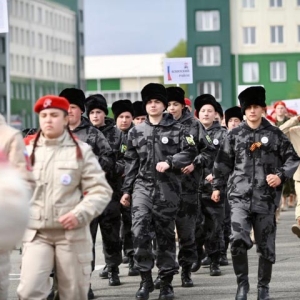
(178, 70)
(3, 16)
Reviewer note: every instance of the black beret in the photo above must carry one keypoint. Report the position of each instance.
(203, 100)
(154, 91)
(233, 112)
(96, 101)
(120, 106)
(138, 109)
(175, 93)
(74, 96)
(253, 95)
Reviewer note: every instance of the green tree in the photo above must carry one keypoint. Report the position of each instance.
(180, 50)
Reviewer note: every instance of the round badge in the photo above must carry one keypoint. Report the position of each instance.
(216, 142)
(65, 179)
(164, 140)
(264, 139)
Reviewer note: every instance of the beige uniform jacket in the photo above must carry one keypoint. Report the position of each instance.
(294, 137)
(61, 180)
(11, 143)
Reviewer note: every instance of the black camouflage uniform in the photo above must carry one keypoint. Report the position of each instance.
(188, 208)
(155, 195)
(209, 227)
(118, 108)
(110, 220)
(247, 156)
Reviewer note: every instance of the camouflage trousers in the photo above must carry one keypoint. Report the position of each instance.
(264, 227)
(210, 231)
(125, 233)
(185, 226)
(109, 222)
(152, 213)
(226, 226)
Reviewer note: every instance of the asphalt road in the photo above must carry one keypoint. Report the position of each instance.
(284, 284)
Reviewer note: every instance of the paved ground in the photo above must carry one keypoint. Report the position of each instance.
(284, 285)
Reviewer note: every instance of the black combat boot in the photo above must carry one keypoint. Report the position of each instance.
(90, 293)
(186, 279)
(157, 283)
(264, 278)
(146, 286)
(215, 265)
(113, 276)
(166, 289)
(104, 273)
(240, 266)
(223, 258)
(197, 264)
(206, 262)
(133, 271)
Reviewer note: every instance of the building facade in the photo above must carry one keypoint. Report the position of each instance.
(46, 53)
(237, 43)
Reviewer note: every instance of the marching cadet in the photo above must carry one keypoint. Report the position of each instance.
(210, 233)
(86, 132)
(110, 220)
(188, 208)
(13, 148)
(123, 114)
(233, 117)
(258, 158)
(71, 190)
(139, 112)
(156, 151)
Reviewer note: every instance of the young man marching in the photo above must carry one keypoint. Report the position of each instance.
(157, 150)
(258, 158)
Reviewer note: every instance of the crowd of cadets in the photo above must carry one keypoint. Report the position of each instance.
(211, 178)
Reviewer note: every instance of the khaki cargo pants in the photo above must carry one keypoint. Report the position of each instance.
(69, 252)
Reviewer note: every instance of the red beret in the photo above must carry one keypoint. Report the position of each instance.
(51, 101)
(187, 101)
(279, 103)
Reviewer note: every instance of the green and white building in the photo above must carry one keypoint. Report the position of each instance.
(237, 43)
(46, 52)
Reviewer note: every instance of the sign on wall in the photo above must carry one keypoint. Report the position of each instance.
(178, 70)
(3, 16)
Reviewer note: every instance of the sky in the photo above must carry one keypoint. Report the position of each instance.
(133, 26)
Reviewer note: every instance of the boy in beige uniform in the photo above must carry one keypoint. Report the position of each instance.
(292, 129)
(71, 190)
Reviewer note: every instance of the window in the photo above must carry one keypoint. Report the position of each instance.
(2, 45)
(11, 34)
(32, 39)
(278, 71)
(17, 63)
(23, 64)
(299, 70)
(12, 94)
(250, 72)
(22, 36)
(275, 3)
(28, 37)
(208, 20)
(12, 62)
(81, 15)
(39, 15)
(28, 65)
(40, 40)
(249, 35)
(21, 10)
(32, 12)
(28, 91)
(41, 67)
(17, 90)
(33, 66)
(208, 56)
(3, 104)
(299, 33)
(17, 35)
(22, 92)
(248, 3)
(27, 11)
(298, 2)
(81, 38)
(211, 87)
(276, 34)
(2, 74)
